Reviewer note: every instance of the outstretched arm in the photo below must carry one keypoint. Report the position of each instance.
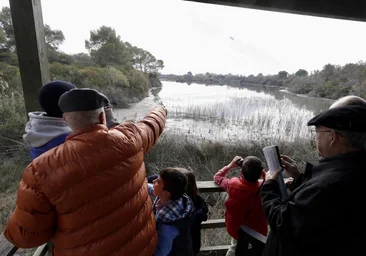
(147, 130)
(152, 126)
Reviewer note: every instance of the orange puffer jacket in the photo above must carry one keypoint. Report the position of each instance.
(89, 195)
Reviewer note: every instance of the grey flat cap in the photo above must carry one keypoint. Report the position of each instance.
(83, 99)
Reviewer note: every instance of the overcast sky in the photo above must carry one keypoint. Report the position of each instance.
(211, 38)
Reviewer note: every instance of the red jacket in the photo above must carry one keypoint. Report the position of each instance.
(241, 196)
(89, 195)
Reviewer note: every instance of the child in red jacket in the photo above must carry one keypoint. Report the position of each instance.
(242, 194)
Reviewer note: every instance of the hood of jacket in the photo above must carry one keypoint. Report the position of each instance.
(41, 129)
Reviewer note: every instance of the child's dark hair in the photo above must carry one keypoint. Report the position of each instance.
(191, 189)
(252, 168)
(175, 182)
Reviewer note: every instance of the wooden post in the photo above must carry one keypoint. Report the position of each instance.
(31, 48)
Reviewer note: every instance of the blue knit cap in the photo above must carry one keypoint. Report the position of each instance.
(50, 94)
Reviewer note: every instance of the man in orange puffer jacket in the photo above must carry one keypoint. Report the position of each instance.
(89, 195)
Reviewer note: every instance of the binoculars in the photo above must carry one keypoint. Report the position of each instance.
(240, 161)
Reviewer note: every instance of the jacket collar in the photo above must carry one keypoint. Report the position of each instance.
(349, 155)
(87, 129)
(249, 184)
(340, 161)
(179, 209)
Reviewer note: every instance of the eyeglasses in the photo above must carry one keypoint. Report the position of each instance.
(314, 132)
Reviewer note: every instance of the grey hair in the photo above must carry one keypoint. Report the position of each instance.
(354, 139)
(79, 119)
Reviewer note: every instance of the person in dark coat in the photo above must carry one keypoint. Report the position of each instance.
(323, 214)
(201, 210)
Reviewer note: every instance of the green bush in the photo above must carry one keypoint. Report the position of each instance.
(12, 122)
(116, 77)
(139, 85)
(11, 78)
(121, 87)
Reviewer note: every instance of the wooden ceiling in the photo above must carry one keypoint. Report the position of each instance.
(339, 9)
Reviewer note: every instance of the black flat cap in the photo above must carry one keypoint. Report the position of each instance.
(348, 118)
(84, 99)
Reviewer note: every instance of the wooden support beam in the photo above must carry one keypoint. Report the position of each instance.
(215, 223)
(211, 186)
(31, 48)
(206, 250)
(208, 187)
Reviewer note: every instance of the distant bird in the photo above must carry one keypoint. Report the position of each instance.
(232, 38)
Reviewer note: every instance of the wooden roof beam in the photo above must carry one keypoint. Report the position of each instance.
(338, 9)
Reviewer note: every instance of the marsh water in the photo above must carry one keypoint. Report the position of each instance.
(224, 113)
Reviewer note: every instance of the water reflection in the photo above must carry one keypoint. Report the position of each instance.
(226, 113)
(312, 104)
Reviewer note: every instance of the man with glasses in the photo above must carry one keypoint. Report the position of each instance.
(323, 214)
(292, 170)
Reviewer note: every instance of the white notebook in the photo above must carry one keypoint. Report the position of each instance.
(273, 159)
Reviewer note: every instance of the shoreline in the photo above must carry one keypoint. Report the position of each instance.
(303, 95)
(282, 89)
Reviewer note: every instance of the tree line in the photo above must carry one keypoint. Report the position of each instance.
(122, 71)
(332, 81)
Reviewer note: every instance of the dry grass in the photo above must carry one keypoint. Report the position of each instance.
(11, 168)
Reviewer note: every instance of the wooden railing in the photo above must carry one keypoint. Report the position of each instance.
(7, 249)
(211, 187)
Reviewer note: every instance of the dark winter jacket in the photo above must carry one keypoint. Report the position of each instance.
(200, 216)
(323, 215)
